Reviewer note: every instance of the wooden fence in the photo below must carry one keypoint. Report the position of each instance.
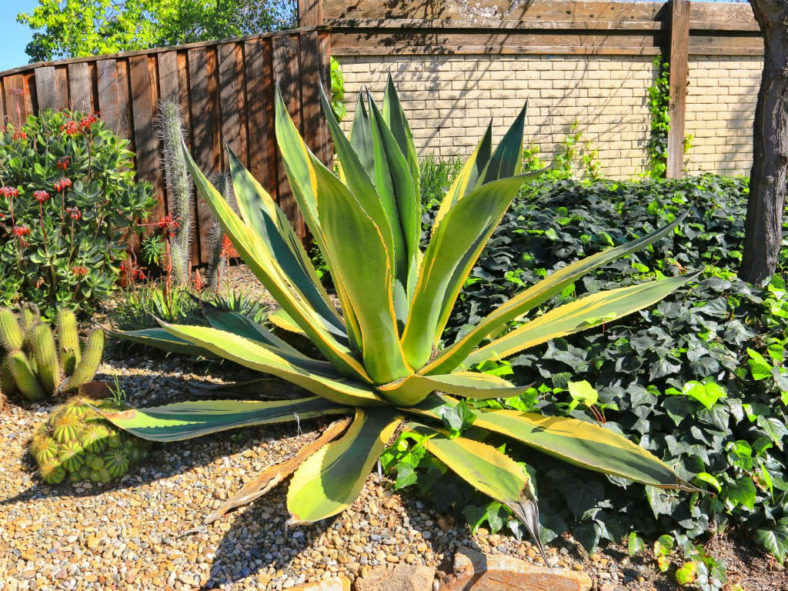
(676, 30)
(225, 90)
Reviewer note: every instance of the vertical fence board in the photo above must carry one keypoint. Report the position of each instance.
(679, 72)
(113, 97)
(13, 89)
(185, 102)
(205, 133)
(168, 92)
(314, 128)
(286, 74)
(3, 120)
(143, 89)
(46, 88)
(79, 86)
(61, 81)
(233, 103)
(260, 106)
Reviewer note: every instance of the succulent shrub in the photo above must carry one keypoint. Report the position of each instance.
(34, 365)
(77, 444)
(68, 200)
(381, 359)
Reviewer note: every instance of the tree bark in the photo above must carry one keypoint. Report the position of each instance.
(769, 174)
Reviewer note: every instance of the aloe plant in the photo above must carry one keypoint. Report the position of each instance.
(382, 359)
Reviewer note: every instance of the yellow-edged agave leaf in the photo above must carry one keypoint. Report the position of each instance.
(329, 481)
(453, 249)
(582, 443)
(532, 297)
(395, 183)
(252, 249)
(466, 180)
(398, 124)
(582, 314)
(261, 213)
(244, 326)
(353, 239)
(281, 319)
(358, 181)
(413, 389)
(159, 339)
(487, 470)
(508, 156)
(185, 420)
(308, 374)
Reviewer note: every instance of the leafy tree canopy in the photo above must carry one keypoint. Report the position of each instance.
(76, 28)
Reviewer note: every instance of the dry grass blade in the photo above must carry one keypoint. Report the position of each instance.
(276, 473)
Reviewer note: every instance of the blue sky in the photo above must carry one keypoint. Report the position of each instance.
(15, 36)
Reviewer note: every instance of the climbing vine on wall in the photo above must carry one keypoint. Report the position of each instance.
(658, 103)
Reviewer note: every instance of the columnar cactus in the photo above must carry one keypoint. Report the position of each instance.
(78, 444)
(34, 366)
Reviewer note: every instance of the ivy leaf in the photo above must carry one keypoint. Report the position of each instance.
(742, 492)
(775, 540)
(635, 544)
(582, 393)
(759, 367)
(707, 392)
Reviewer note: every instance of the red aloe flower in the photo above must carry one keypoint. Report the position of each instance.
(9, 192)
(74, 212)
(64, 162)
(80, 271)
(20, 231)
(41, 196)
(70, 127)
(20, 135)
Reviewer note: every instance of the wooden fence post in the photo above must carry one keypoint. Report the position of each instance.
(310, 13)
(679, 71)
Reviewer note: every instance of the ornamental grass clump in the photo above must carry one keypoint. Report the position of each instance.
(68, 201)
(382, 363)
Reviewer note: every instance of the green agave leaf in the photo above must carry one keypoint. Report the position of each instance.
(361, 136)
(466, 179)
(578, 442)
(262, 263)
(241, 325)
(507, 159)
(310, 374)
(159, 339)
(262, 213)
(281, 319)
(185, 420)
(394, 180)
(532, 297)
(362, 267)
(487, 470)
(330, 480)
(582, 314)
(456, 244)
(413, 389)
(395, 118)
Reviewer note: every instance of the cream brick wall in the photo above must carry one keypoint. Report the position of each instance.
(720, 108)
(450, 99)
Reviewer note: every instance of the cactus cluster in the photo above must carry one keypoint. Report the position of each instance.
(34, 366)
(77, 444)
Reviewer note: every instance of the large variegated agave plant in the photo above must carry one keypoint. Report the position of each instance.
(383, 362)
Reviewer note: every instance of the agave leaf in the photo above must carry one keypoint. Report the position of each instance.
(159, 339)
(276, 473)
(185, 420)
(395, 184)
(398, 124)
(244, 326)
(532, 297)
(316, 376)
(365, 274)
(453, 249)
(488, 470)
(582, 314)
(413, 389)
(281, 319)
(261, 262)
(331, 479)
(361, 136)
(508, 156)
(466, 179)
(261, 212)
(578, 442)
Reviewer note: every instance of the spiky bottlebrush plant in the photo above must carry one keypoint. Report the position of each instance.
(78, 444)
(34, 366)
(383, 359)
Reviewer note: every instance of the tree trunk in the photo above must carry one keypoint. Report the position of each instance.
(769, 174)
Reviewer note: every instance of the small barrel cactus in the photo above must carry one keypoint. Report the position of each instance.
(77, 444)
(34, 366)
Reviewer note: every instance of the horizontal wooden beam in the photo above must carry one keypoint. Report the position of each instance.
(603, 24)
